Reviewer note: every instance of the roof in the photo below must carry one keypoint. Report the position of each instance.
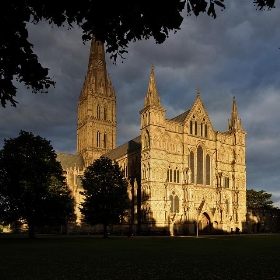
(181, 117)
(126, 148)
(69, 160)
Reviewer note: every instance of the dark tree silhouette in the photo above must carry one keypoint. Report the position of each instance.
(259, 200)
(105, 194)
(117, 23)
(32, 185)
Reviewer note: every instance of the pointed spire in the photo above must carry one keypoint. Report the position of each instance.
(97, 79)
(97, 54)
(152, 97)
(234, 122)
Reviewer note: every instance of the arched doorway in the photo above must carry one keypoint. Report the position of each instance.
(204, 225)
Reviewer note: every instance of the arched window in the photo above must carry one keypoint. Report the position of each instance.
(192, 166)
(98, 112)
(201, 129)
(105, 113)
(174, 205)
(226, 182)
(98, 139)
(195, 128)
(227, 206)
(105, 140)
(191, 128)
(205, 132)
(199, 171)
(146, 140)
(148, 175)
(208, 170)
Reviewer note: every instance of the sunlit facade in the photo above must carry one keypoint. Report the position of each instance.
(184, 177)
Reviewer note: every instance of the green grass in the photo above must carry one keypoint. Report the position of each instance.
(91, 257)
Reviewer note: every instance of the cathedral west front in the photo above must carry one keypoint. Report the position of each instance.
(184, 177)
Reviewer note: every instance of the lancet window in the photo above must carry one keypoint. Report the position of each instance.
(105, 140)
(200, 167)
(105, 113)
(98, 139)
(174, 205)
(173, 175)
(98, 112)
(207, 170)
(192, 165)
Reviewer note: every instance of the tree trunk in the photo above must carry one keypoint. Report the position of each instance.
(105, 231)
(31, 229)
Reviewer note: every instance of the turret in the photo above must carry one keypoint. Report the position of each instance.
(234, 123)
(152, 112)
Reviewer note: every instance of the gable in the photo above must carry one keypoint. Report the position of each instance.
(198, 118)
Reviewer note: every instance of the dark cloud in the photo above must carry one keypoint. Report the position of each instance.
(236, 54)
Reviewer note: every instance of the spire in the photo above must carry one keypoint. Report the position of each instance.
(235, 122)
(97, 79)
(152, 96)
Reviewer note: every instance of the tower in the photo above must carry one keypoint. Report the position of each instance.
(152, 156)
(97, 126)
(238, 164)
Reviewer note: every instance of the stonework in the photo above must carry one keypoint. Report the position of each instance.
(97, 126)
(181, 172)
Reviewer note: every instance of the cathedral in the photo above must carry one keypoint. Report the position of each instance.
(184, 177)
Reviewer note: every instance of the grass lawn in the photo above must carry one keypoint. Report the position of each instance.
(91, 257)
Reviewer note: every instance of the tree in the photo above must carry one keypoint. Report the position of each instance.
(117, 23)
(32, 185)
(259, 200)
(105, 194)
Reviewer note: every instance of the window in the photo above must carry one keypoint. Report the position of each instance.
(201, 129)
(226, 182)
(191, 127)
(175, 173)
(205, 132)
(105, 113)
(98, 112)
(195, 128)
(207, 170)
(98, 139)
(192, 166)
(105, 140)
(199, 171)
(174, 206)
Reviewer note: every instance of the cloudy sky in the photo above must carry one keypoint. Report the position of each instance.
(236, 54)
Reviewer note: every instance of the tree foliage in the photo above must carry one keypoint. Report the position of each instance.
(32, 185)
(105, 193)
(259, 200)
(117, 23)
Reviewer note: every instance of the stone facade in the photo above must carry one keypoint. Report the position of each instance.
(97, 126)
(181, 172)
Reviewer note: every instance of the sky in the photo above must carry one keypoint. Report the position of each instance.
(236, 54)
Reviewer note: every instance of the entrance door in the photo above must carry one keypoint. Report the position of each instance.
(204, 224)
